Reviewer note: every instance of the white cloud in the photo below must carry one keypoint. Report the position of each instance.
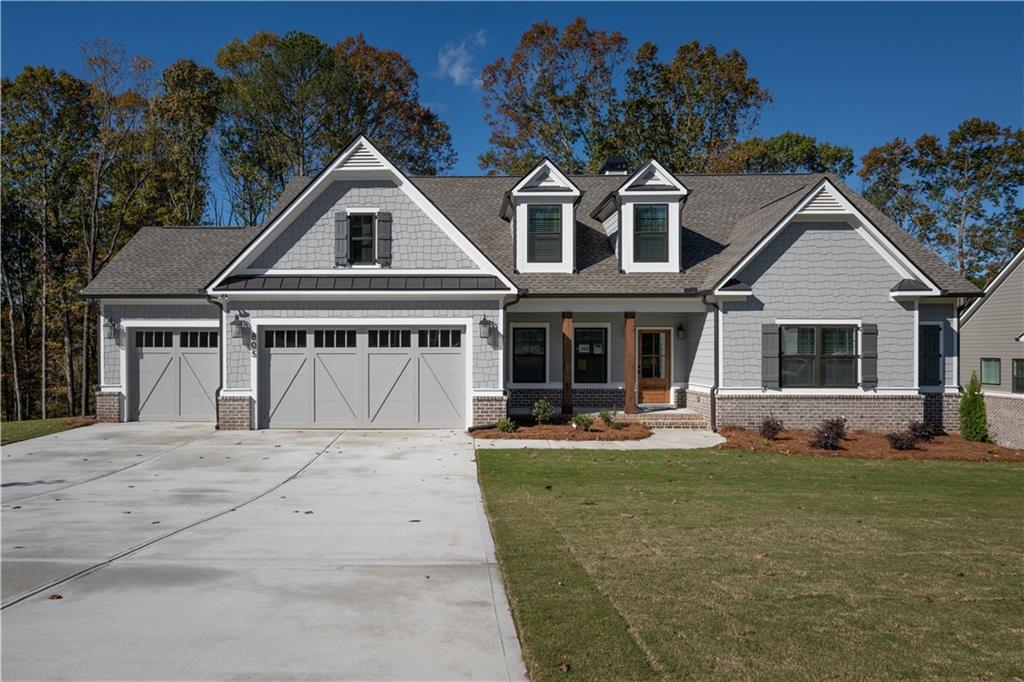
(455, 60)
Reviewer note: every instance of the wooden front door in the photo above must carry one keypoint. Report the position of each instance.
(655, 373)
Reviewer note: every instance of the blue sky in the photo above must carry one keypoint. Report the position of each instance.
(857, 74)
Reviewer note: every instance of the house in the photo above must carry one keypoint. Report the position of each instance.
(373, 299)
(992, 346)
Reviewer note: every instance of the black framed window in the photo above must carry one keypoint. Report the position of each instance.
(154, 339)
(198, 339)
(544, 234)
(360, 239)
(929, 355)
(285, 338)
(991, 371)
(440, 338)
(389, 338)
(819, 357)
(590, 355)
(529, 355)
(334, 338)
(1018, 376)
(650, 233)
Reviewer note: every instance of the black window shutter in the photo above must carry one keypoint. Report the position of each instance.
(869, 355)
(770, 355)
(341, 239)
(384, 238)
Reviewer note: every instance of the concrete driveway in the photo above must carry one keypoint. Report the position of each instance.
(180, 552)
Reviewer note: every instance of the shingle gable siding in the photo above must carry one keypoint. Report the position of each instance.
(308, 242)
(821, 270)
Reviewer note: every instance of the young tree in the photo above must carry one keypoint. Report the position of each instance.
(789, 152)
(691, 111)
(960, 197)
(554, 97)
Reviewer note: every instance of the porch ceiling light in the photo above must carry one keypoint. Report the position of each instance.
(680, 332)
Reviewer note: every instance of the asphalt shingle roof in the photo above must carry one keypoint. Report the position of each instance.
(724, 217)
(169, 261)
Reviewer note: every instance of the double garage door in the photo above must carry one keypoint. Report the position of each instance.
(174, 375)
(341, 377)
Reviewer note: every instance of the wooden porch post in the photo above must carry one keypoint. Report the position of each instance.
(567, 364)
(630, 369)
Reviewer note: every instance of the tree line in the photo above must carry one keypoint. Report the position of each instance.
(87, 160)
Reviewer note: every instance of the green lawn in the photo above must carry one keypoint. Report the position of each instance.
(739, 565)
(12, 432)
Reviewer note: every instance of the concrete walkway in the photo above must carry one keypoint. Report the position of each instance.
(269, 555)
(662, 439)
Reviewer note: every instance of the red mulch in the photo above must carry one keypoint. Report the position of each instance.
(870, 445)
(599, 431)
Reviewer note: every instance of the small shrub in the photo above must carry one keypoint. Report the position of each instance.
(828, 435)
(902, 440)
(615, 426)
(505, 425)
(583, 422)
(771, 428)
(542, 411)
(607, 416)
(924, 432)
(973, 421)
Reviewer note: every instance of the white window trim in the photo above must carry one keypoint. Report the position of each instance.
(813, 390)
(512, 356)
(626, 222)
(255, 323)
(608, 383)
(521, 225)
(352, 211)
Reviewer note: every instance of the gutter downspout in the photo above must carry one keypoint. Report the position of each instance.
(714, 386)
(220, 302)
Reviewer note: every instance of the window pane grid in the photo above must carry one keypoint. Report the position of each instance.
(544, 234)
(991, 371)
(153, 339)
(590, 356)
(361, 239)
(390, 338)
(528, 355)
(334, 338)
(818, 357)
(440, 338)
(650, 233)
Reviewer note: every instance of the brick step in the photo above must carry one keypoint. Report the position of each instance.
(685, 420)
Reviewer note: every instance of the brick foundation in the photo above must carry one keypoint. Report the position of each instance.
(487, 409)
(520, 400)
(234, 413)
(866, 412)
(108, 407)
(1005, 419)
(699, 403)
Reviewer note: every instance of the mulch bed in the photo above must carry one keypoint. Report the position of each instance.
(870, 445)
(599, 431)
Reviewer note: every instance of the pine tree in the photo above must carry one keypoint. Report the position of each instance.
(973, 423)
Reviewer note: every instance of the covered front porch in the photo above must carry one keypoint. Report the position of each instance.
(635, 356)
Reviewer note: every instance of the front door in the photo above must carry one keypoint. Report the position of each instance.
(655, 372)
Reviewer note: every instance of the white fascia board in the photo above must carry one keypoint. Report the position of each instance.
(196, 300)
(341, 296)
(991, 287)
(546, 164)
(175, 323)
(326, 176)
(866, 228)
(364, 272)
(669, 178)
(609, 305)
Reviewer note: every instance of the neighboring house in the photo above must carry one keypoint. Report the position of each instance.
(992, 346)
(372, 299)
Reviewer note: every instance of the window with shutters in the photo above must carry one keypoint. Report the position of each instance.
(650, 233)
(544, 234)
(818, 357)
(361, 239)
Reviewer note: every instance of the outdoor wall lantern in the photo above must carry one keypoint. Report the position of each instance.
(485, 328)
(110, 330)
(680, 332)
(237, 326)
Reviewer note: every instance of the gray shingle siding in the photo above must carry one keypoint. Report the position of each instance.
(991, 332)
(111, 349)
(700, 334)
(486, 352)
(818, 271)
(418, 242)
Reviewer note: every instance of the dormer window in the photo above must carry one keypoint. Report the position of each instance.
(541, 210)
(650, 233)
(544, 234)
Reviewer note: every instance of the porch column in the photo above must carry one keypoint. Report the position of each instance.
(567, 364)
(630, 369)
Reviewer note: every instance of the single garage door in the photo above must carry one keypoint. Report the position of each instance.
(363, 378)
(174, 375)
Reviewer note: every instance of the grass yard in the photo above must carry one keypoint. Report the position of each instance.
(738, 565)
(12, 432)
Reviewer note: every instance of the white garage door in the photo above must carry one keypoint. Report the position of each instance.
(363, 378)
(174, 375)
